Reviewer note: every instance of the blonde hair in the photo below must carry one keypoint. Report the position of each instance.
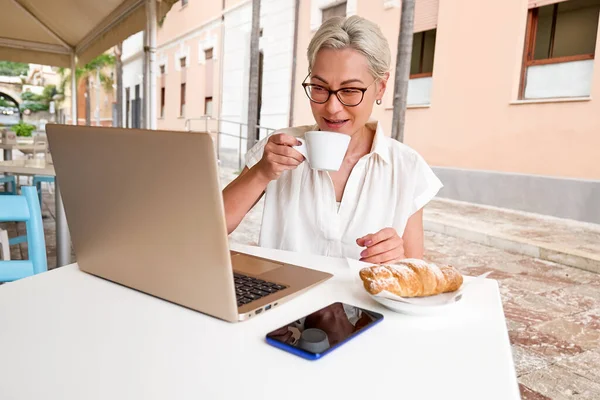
(356, 33)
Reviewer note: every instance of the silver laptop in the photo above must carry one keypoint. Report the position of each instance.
(145, 210)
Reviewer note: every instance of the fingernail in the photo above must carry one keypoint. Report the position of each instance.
(368, 242)
(363, 253)
(298, 143)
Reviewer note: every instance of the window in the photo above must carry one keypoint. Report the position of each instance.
(162, 102)
(421, 68)
(162, 90)
(136, 117)
(182, 101)
(182, 62)
(422, 54)
(560, 42)
(208, 73)
(565, 30)
(127, 107)
(338, 10)
(208, 106)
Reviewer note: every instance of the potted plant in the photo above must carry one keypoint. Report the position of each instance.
(23, 129)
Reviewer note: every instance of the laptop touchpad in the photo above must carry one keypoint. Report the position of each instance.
(253, 266)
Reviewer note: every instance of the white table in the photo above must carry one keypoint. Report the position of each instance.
(34, 166)
(25, 146)
(40, 167)
(69, 335)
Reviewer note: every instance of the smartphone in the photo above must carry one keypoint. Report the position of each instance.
(324, 330)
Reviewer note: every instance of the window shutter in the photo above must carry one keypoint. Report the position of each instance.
(541, 3)
(426, 15)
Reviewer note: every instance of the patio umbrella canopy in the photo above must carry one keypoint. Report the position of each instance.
(67, 33)
(50, 31)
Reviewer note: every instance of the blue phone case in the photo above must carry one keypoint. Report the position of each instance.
(315, 356)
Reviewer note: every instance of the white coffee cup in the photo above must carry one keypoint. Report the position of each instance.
(324, 150)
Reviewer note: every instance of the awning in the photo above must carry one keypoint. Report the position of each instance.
(50, 31)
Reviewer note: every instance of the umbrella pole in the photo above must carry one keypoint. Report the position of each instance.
(63, 236)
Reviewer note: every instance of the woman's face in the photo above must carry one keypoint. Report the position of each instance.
(337, 69)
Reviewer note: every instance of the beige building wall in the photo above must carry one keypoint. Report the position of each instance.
(301, 112)
(486, 144)
(475, 120)
(467, 119)
(232, 3)
(188, 31)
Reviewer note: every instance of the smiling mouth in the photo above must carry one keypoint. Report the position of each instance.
(335, 121)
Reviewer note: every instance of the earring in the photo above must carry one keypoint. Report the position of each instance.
(378, 102)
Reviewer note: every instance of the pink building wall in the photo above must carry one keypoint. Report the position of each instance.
(475, 120)
(185, 32)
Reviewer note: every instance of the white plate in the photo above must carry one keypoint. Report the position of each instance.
(429, 305)
(415, 309)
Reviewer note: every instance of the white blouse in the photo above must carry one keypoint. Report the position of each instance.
(384, 189)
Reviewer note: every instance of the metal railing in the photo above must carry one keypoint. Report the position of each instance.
(209, 127)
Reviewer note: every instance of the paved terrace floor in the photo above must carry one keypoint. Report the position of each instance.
(552, 309)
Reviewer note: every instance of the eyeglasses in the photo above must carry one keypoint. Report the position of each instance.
(348, 96)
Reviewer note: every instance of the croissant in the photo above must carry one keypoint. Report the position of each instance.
(411, 278)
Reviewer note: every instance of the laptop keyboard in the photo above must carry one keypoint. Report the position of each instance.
(248, 289)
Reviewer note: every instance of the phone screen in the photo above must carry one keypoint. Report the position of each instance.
(323, 330)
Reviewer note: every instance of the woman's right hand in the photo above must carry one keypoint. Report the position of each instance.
(279, 156)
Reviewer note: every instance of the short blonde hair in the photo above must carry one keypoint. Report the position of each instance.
(356, 33)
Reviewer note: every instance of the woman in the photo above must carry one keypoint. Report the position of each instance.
(371, 209)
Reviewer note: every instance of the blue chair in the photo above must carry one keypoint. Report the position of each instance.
(37, 182)
(25, 208)
(9, 179)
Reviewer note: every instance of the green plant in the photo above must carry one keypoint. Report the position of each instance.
(6, 103)
(49, 92)
(89, 71)
(29, 96)
(8, 68)
(34, 106)
(38, 102)
(23, 129)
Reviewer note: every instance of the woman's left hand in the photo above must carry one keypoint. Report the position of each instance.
(382, 247)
